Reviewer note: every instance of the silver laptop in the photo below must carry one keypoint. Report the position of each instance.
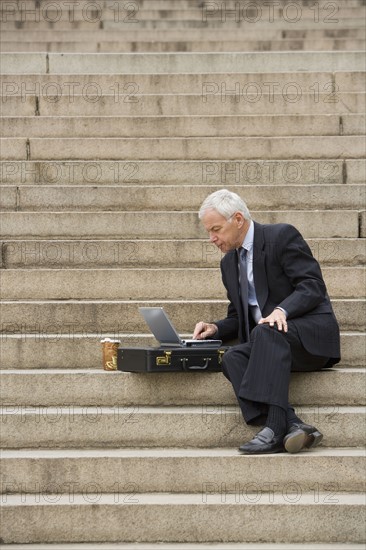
(165, 333)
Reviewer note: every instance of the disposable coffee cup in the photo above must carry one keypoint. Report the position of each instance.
(109, 348)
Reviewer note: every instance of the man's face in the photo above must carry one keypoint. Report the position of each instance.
(225, 234)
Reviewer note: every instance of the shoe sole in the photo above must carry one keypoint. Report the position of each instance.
(301, 440)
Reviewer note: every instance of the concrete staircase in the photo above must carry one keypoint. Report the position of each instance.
(117, 121)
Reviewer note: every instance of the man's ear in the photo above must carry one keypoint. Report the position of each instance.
(239, 219)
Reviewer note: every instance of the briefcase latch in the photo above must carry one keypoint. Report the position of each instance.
(165, 359)
(221, 355)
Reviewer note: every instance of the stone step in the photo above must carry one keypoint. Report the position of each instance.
(20, 389)
(150, 198)
(363, 224)
(97, 23)
(182, 35)
(243, 14)
(326, 44)
(168, 426)
(134, 106)
(89, 254)
(206, 148)
(173, 4)
(26, 106)
(163, 225)
(118, 317)
(237, 101)
(57, 85)
(146, 63)
(213, 172)
(170, 4)
(150, 470)
(184, 126)
(181, 518)
(188, 546)
(206, 13)
(182, 4)
(39, 350)
(30, 24)
(146, 284)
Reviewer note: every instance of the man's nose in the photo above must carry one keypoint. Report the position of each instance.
(213, 237)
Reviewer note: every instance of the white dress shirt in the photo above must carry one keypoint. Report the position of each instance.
(248, 244)
(252, 297)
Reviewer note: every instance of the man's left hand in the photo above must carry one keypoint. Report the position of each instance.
(277, 316)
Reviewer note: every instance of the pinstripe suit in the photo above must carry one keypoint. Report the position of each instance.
(286, 275)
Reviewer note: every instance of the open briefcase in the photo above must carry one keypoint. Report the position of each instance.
(173, 354)
(170, 359)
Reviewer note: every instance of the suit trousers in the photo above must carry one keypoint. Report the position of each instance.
(259, 370)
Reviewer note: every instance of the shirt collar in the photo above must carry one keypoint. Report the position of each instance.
(249, 237)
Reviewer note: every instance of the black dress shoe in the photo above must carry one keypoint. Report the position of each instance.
(301, 436)
(264, 442)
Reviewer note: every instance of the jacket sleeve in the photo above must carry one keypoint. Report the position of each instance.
(302, 271)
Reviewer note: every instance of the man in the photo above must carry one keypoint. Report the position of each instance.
(279, 310)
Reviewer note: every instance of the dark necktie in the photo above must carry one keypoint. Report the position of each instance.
(243, 285)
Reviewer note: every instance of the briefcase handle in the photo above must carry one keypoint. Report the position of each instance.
(195, 367)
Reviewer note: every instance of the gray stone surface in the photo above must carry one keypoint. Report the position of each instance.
(118, 317)
(189, 546)
(214, 98)
(301, 19)
(146, 284)
(24, 63)
(179, 13)
(183, 518)
(184, 172)
(363, 224)
(13, 149)
(329, 388)
(195, 62)
(16, 105)
(174, 126)
(69, 350)
(356, 171)
(179, 471)
(75, 426)
(273, 32)
(58, 85)
(140, 225)
(189, 197)
(108, 46)
(119, 253)
(186, 148)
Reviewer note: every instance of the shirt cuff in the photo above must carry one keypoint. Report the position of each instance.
(284, 311)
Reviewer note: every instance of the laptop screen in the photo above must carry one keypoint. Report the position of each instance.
(160, 325)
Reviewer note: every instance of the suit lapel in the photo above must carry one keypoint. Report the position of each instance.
(233, 275)
(233, 281)
(259, 267)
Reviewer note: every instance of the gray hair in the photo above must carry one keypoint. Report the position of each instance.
(226, 203)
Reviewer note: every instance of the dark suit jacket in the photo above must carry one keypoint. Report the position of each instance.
(287, 275)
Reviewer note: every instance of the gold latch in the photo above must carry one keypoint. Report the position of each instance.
(165, 359)
(221, 354)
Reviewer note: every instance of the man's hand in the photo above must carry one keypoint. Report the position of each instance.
(204, 330)
(277, 316)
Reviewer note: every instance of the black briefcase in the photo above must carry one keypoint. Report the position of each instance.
(189, 359)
